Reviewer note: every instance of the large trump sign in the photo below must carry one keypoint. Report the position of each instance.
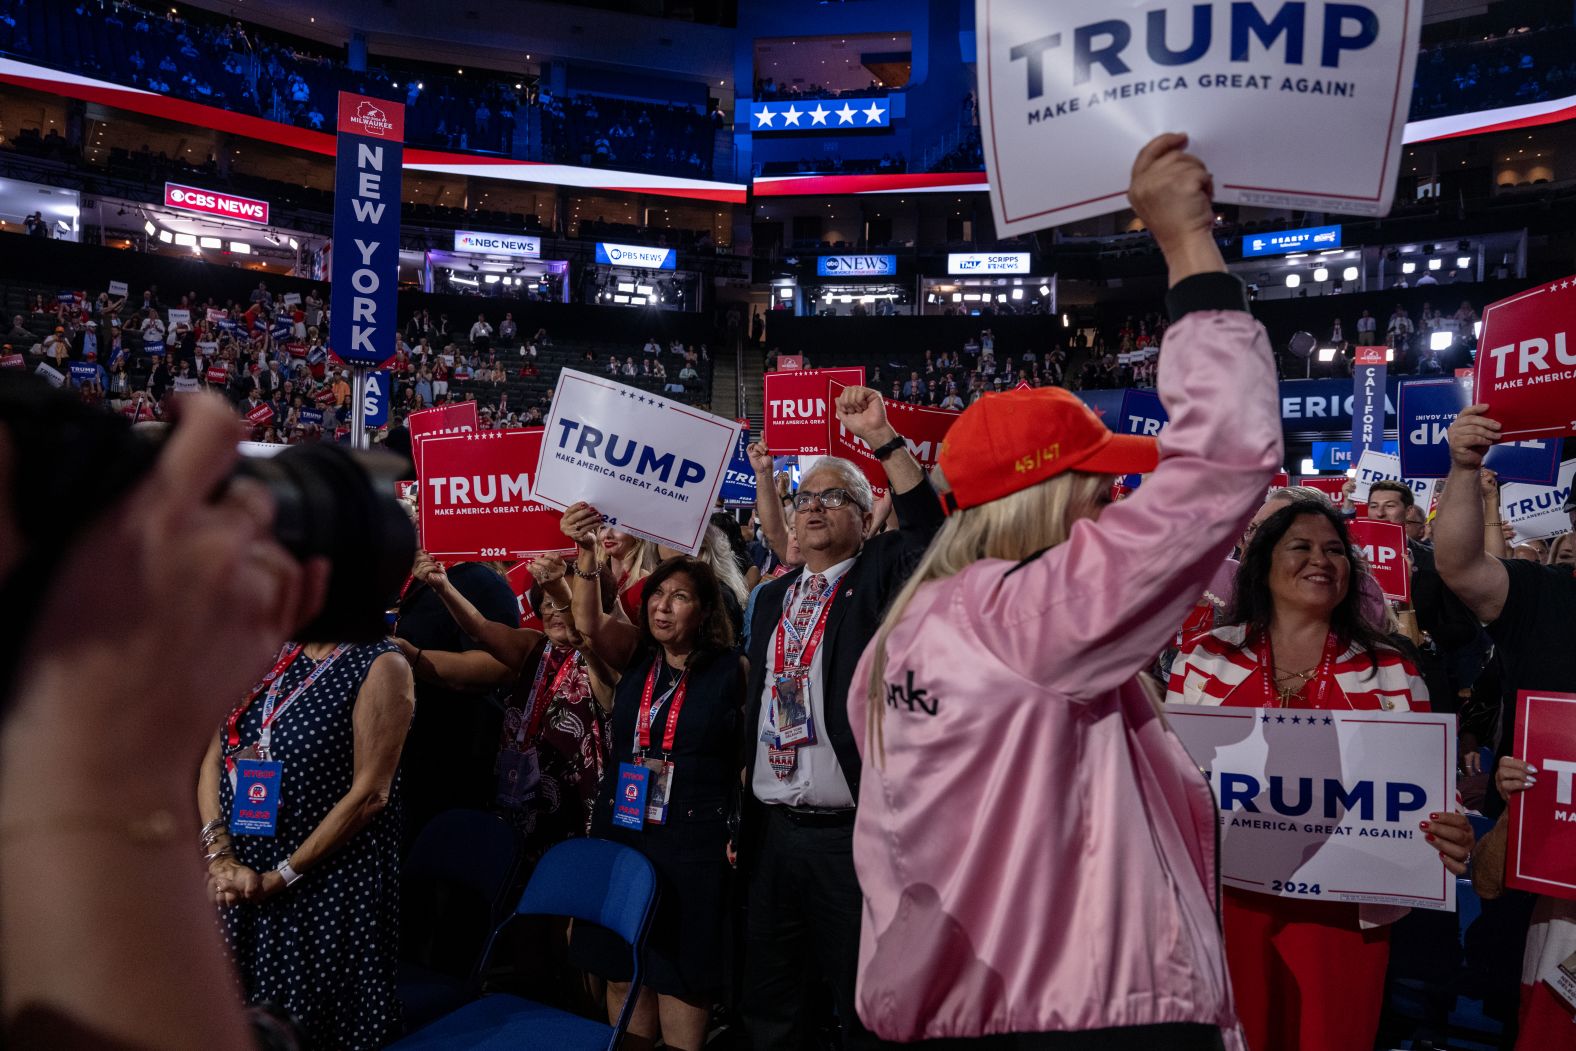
(476, 500)
(650, 465)
(1253, 82)
(1526, 362)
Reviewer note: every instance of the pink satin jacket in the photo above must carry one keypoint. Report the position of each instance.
(1036, 850)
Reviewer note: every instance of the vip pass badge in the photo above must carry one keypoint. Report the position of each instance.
(790, 723)
(658, 770)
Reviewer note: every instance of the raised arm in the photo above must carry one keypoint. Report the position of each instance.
(613, 640)
(1494, 543)
(768, 505)
(508, 646)
(1479, 579)
(1115, 593)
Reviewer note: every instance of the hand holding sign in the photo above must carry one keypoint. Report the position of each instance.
(1171, 191)
(761, 460)
(1471, 437)
(580, 524)
(430, 571)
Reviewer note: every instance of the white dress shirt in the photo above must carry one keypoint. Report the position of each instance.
(817, 780)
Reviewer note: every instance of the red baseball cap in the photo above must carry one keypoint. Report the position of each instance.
(1009, 441)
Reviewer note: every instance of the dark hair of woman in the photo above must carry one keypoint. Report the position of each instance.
(731, 529)
(716, 630)
(1254, 606)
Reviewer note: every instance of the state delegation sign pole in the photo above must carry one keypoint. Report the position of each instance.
(364, 278)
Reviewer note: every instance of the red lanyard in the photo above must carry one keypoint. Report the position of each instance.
(643, 725)
(817, 630)
(531, 724)
(1321, 682)
(287, 657)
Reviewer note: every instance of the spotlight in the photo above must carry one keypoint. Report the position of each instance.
(1435, 264)
(1441, 340)
(1462, 262)
(1349, 274)
(1327, 354)
(1308, 466)
(211, 242)
(1045, 290)
(1066, 321)
(150, 228)
(1321, 275)
(166, 236)
(294, 244)
(1293, 280)
(1017, 293)
(240, 248)
(1477, 329)
(957, 297)
(1408, 268)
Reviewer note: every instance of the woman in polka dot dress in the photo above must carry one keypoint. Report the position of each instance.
(310, 905)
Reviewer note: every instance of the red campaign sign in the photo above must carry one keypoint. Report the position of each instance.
(326, 396)
(1330, 485)
(1383, 545)
(217, 374)
(790, 361)
(1526, 362)
(476, 497)
(1280, 481)
(1542, 848)
(12, 361)
(460, 418)
(923, 427)
(364, 115)
(212, 202)
(261, 415)
(797, 408)
(520, 581)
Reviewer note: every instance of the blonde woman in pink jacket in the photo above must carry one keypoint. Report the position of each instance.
(1035, 848)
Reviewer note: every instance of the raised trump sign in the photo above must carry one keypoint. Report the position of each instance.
(1383, 546)
(478, 243)
(365, 261)
(797, 408)
(212, 202)
(1542, 845)
(1325, 805)
(1526, 362)
(650, 465)
(459, 418)
(1429, 407)
(1251, 81)
(476, 497)
(922, 428)
(1537, 512)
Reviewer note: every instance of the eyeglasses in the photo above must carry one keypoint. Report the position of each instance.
(831, 499)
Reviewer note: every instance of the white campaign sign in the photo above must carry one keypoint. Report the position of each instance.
(1252, 83)
(1325, 805)
(55, 377)
(179, 316)
(117, 288)
(650, 465)
(1374, 466)
(1536, 512)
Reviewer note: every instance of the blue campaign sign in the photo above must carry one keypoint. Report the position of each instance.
(610, 254)
(874, 111)
(1337, 456)
(376, 405)
(1312, 238)
(365, 263)
(1142, 413)
(738, 480)
(1107, 404)
(82, 372)
(1427, 409)
(310, 417)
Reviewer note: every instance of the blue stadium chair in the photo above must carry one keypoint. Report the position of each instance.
(591, 880)
(458, 876)
(1468, 1026)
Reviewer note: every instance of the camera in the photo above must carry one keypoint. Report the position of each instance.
(72, 463)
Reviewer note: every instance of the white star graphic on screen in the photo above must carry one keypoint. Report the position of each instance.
(818, 115)
(845, 115)
(791, 115)
(872, 114)
(765, 115)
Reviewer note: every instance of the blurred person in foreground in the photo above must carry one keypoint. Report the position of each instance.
(107, 937)
(1005, 674)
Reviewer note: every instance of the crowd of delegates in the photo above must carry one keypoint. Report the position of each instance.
(841, 720)
(268, 358)
(1509, 70)
(248, 69)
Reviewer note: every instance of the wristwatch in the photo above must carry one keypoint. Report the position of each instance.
(897, 442)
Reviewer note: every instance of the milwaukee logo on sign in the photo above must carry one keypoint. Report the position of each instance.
(369, 118)
(208, 202)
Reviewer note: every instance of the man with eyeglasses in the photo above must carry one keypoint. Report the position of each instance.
(808, 630)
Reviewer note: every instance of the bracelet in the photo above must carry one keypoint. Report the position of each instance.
(209, 831)
(152, 829)
(286, 873)
(225, 851)
(594, 574)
